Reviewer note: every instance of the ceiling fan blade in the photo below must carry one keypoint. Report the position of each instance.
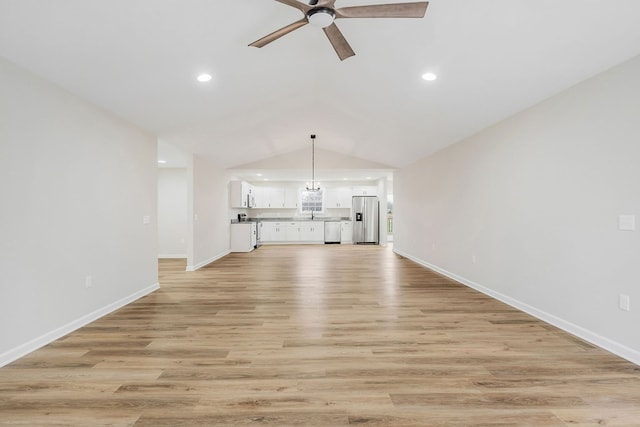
(395, 10)
(338, 42)
(279, 33)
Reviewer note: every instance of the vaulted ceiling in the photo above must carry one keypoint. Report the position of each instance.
(140, 58)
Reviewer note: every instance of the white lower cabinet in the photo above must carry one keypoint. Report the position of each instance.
(313, 231)
(272, 232)
(243, 237)
(264, 232)
(346, 232)
(292, 232)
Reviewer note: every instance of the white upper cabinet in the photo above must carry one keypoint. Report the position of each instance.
(339, 197)
(269, 197)
(288, 197)
(276, 197)
(291, 198)
(261, 197)
(239, 194)
(367, 190)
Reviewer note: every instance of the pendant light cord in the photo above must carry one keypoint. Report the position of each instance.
(313, 164)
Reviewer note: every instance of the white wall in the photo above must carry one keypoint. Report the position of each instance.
(536, 200)
(382, 196)
(76, 183)
(208, 207)
(172, 212)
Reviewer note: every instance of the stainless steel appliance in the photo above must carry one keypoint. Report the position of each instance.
(332, 231)
(366, 224)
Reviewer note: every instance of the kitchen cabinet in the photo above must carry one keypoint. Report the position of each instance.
(367, 190)
(339, 198)
(264, 232)
(291, 198)
(243, 237)
(312, 231)
(269, 197)
(276, 197)
(241, 194)
(346, 232)
(278, 233)
(293, 232)
(262, 197)
(272, 232)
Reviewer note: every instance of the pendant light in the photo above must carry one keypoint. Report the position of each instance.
(313, 166)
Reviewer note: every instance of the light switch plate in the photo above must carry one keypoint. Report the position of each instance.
(625, 302)
(627, 222)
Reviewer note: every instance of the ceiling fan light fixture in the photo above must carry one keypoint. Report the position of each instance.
(321, 17)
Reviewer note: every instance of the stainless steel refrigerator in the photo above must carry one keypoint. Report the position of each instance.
(366, 223)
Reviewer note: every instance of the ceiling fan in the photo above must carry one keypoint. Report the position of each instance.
(322, 13)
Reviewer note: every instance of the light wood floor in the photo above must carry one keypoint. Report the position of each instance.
(318, 335)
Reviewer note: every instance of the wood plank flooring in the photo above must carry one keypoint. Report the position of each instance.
(318, 336)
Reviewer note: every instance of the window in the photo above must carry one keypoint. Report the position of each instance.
(312, 201)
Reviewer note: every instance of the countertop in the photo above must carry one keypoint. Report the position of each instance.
(305, 219)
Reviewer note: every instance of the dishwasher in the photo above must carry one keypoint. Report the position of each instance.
(332, 232)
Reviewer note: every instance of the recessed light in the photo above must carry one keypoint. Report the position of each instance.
(203, 78)
(258, 174)
(162, 162)
(429, 77)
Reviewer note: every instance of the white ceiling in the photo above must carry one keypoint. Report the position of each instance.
(140, 58)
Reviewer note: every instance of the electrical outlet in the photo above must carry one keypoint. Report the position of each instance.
(627, 222)
(624, 302)
(146, 219)
(88, 282)
(474, 259)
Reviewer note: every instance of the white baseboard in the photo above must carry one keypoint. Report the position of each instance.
(207, 262)
(291, 243)
(172, 256)
(26, 348)
(585, 334)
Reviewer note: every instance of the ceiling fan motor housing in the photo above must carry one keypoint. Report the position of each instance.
(321, 16)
